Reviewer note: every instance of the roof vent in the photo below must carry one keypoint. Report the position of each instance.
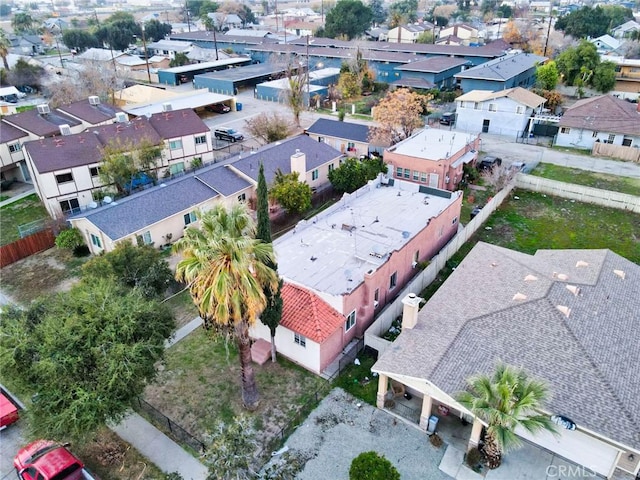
(121, 117)
(65, 130)
(94, 100)
(566, 311)
(107, 199)
(43, 109)
(530, 278)
(166, 107)
(519, 297)
(560, 276)
(348, 228)
(581, 263)
(620, 273)
(573, 289)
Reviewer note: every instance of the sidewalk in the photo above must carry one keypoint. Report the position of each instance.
(167, 455)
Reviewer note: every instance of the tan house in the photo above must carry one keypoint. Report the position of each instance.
(461, 32)
(408, 33)
(564, 316)
(433, 157)
(352, 139)
(627, 76)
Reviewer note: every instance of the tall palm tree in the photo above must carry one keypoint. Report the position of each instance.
(505, 400)
(226, 269)
(5, 45)
(22, 23)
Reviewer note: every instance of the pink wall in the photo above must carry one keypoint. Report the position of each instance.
(428, 242)
(331, 348)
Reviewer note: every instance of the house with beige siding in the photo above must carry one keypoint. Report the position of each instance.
(351, 139)
(12, 164)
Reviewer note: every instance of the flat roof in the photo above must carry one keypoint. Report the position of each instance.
(332, 251)
(177, 103)
(433, 143)
(283, 84)
(205, 65)
(244, 73)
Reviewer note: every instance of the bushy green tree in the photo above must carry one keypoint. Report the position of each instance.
(292, 194)
(179, 60)
(25, 74)
(354, 173)
(573, 60)
(349, 19)
(85, 354)
(593, 22)
(547, 76)
(154, 30)
(372, 466)
(78, 39)
(229, 455)
(378, 12)
(407, 9)
(70, 239)
(604, 77)
(118, 31)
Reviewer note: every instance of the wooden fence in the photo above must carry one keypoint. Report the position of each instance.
(616, 151)
(26, 246)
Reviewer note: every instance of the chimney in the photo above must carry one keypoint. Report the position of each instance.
(299, 165)
(410, 310)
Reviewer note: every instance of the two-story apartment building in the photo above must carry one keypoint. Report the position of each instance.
(346, 263)
(91, 112)
(505, 112)
(433, 157)
(12, 165)
(408, 33)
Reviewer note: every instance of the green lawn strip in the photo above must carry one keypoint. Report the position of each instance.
(586, 178)
(358, 379)
(20, 212)
(200, 386)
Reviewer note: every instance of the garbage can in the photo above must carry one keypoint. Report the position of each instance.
(238, 106)
(433, 424)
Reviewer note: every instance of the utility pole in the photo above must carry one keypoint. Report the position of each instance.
(308, 79)
(546, 42)
(146, 56)
(186, 10)
(215, 42)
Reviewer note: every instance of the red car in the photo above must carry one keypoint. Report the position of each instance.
(218, 108)
(8, 411)
(47, 460)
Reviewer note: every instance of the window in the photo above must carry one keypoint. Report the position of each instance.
(454, 221)
(416, 256)
(423, 177)
(595, 134)
(95, 240)
(393, 280)
(565, 130)
(144, 239)
(201, 140)
(351, 321)
(611, 138)
(493, 107)
(626, 142)
(64, 178)
(175, 144)
(189, 218)
(415, 175)
(321, 139)
(477, 106)
(331, 167)
(407, 173)
(299, 339)
(520, 110)
(94, 171)
(376, 296)
(69, 206)
(242, 197)
(461, 104)
(399, 172)
(16, 147)
(351, 147)
(176, 168)
(314, 174)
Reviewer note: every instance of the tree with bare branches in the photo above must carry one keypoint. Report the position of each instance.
(398, 114)
(269, 127)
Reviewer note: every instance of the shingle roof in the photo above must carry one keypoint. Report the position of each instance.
(9, 133)
(503, 68)
(178, 123)
(337, 129)
(141, 210)
(58, 153)
(604, 114)
(519, 94)
(128, 133)
(41, 125)
(277, 156)
(590, 359)
(307, 314)
(93, 114)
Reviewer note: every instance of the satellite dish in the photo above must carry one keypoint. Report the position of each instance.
(93, 205)
(107, 199)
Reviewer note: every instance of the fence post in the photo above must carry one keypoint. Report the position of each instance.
(169, 424)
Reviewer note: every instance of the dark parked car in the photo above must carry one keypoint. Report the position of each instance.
(488, 163)
(447, 118)
(228, 134)
(218, 108)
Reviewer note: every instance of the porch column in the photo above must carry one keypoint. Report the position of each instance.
(475, 434)
(426, 412)
(383, 385)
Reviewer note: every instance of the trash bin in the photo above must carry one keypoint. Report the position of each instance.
(433, 424)
(238, 106)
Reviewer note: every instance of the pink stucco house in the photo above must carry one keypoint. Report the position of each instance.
(433, 157)
(349, 261)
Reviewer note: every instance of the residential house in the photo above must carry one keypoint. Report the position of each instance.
(564, 316)
(436, 72)
(225, 21)
(606, 44)
(514, 70)
(12, 164)
(346, 263)
(626, 30)
(605, 119)
(158, 216)
(26, 44)
(168, 48)
(433, 157)
(627, 76)
(310, 159)
(408, 33)
(91, 112)
(463, 32)
(352, 139)
(505, 112)
(540, 7)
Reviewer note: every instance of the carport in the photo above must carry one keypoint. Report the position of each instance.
(186, 73)
(231, 81)
(196, 101)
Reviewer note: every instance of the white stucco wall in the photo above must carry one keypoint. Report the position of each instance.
(308, 356)
(503, 121)
(584, 138)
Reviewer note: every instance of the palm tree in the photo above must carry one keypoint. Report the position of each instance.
(505, 400)
(226, 269)
(5, 45)
(22, 23)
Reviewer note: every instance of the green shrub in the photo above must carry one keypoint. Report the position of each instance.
(70, 239)
(474, 458)
(371, 466)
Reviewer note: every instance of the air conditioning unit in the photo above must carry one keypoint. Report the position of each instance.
(166, 107)
(122, 117)
(43, 109)
(94, 100)
(65, 130)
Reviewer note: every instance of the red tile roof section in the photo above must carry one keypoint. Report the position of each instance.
(307, 314)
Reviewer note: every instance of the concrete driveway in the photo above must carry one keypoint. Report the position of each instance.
(11, 440)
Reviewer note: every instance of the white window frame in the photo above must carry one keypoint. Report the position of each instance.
(565, 130)
(300, 340)
(96, 169)
(519, 110)
(175, 144)
(242, 198)
(350, 322)
(65, 181)
(95, 241)
(201, 140)
(477, 106)
(190, 218)
(611, 138)
(15, 147)
(393, 280)
(315, 174)
(399, 172)
(493, 107)
(176, 168)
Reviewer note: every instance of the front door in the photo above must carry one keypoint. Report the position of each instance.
(433, 180)
(485, 126)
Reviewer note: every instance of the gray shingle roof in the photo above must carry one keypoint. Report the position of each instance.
(277, 156)
(605, 113)
(337, 129)
(590, 359)
(93, 114)
(141, 210)
(41, 125)
(51, 154)
(503, 68)
(178, 123)
(128, 133)
(9, 133)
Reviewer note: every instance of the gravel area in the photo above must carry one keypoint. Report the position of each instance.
(338, 430)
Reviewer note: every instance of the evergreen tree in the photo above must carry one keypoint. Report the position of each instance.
(272, 314)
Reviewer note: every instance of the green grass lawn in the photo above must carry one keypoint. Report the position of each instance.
(358, 380)
(603, 181)
(18, 213)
